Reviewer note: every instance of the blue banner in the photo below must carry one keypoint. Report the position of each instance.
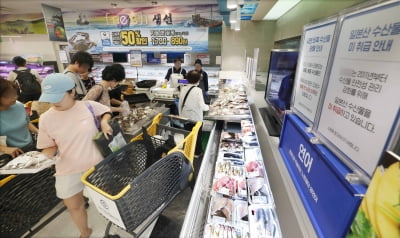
(331, 202)
(149, 29)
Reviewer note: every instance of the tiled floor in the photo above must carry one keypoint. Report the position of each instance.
(168, 225)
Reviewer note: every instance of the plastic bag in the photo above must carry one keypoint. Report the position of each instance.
(127, 110)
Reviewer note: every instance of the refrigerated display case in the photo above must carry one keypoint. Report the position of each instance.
(232, 196)
(7, 67)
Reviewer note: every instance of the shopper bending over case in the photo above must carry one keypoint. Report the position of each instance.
(66, 134)
(112, 75)
(80, 63)
(191, 104)
(14, 122)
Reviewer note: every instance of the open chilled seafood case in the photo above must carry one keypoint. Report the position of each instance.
(232, 196)
(140, 114)
(230, 104)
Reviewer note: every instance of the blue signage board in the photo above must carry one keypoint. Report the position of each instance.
(330, 201)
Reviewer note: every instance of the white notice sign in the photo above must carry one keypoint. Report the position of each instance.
(317, 41)
(363, 96)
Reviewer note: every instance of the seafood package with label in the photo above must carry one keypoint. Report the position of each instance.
(247, 127)
(252, 154)
(250, 140)
(258, 191)
(254, 169)
(230, 146)
(225, 185)
(230, 137)
(263, 222)
(230, 168)
(225, 231)
(241, 212)
(221, 210)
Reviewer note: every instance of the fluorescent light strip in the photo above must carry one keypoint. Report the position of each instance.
(231, 4)
(280, 8)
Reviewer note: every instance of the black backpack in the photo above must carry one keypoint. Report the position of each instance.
(27, 82)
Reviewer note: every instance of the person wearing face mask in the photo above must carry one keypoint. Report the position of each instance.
(191, 105)
(81, 62)
(203, 83)
(176, 71)
(66, 134)
(111, 76)
(14, 123)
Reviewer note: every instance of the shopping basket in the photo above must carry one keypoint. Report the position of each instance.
(128, 194)
(163, 125)
(25, 200)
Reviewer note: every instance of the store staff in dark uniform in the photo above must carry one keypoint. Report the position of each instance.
(177, 69)
(203, 84)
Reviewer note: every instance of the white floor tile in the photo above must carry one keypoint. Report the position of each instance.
(63, 227)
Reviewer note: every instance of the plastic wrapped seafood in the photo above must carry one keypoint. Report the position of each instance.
(258, 191)
(225, 185)
(221, 209)
(224, 231)
(263, 222)
(254, 169)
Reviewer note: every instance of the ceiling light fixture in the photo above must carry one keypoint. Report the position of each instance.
(231, 4)
(280, 8)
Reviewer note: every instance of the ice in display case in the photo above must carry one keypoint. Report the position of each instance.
(7, 67)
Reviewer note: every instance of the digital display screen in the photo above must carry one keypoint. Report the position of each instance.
(281, 75)
(120, 57)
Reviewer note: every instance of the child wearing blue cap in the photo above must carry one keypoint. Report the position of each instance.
(66, 133)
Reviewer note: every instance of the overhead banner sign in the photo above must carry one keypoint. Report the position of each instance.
(362, 99)
(54, 23)
(317, 42)
(115, 39)
(173, 28)
(319, 178)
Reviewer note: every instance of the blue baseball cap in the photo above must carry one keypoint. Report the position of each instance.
(54, 87)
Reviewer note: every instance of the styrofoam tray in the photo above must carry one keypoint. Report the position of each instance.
(37, 161)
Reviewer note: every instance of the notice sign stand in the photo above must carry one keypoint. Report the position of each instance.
(319, 177)
(361, 105)
(313, 59)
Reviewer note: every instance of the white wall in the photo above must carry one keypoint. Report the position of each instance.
(27, 44)
(253, 34)
(291, 24)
